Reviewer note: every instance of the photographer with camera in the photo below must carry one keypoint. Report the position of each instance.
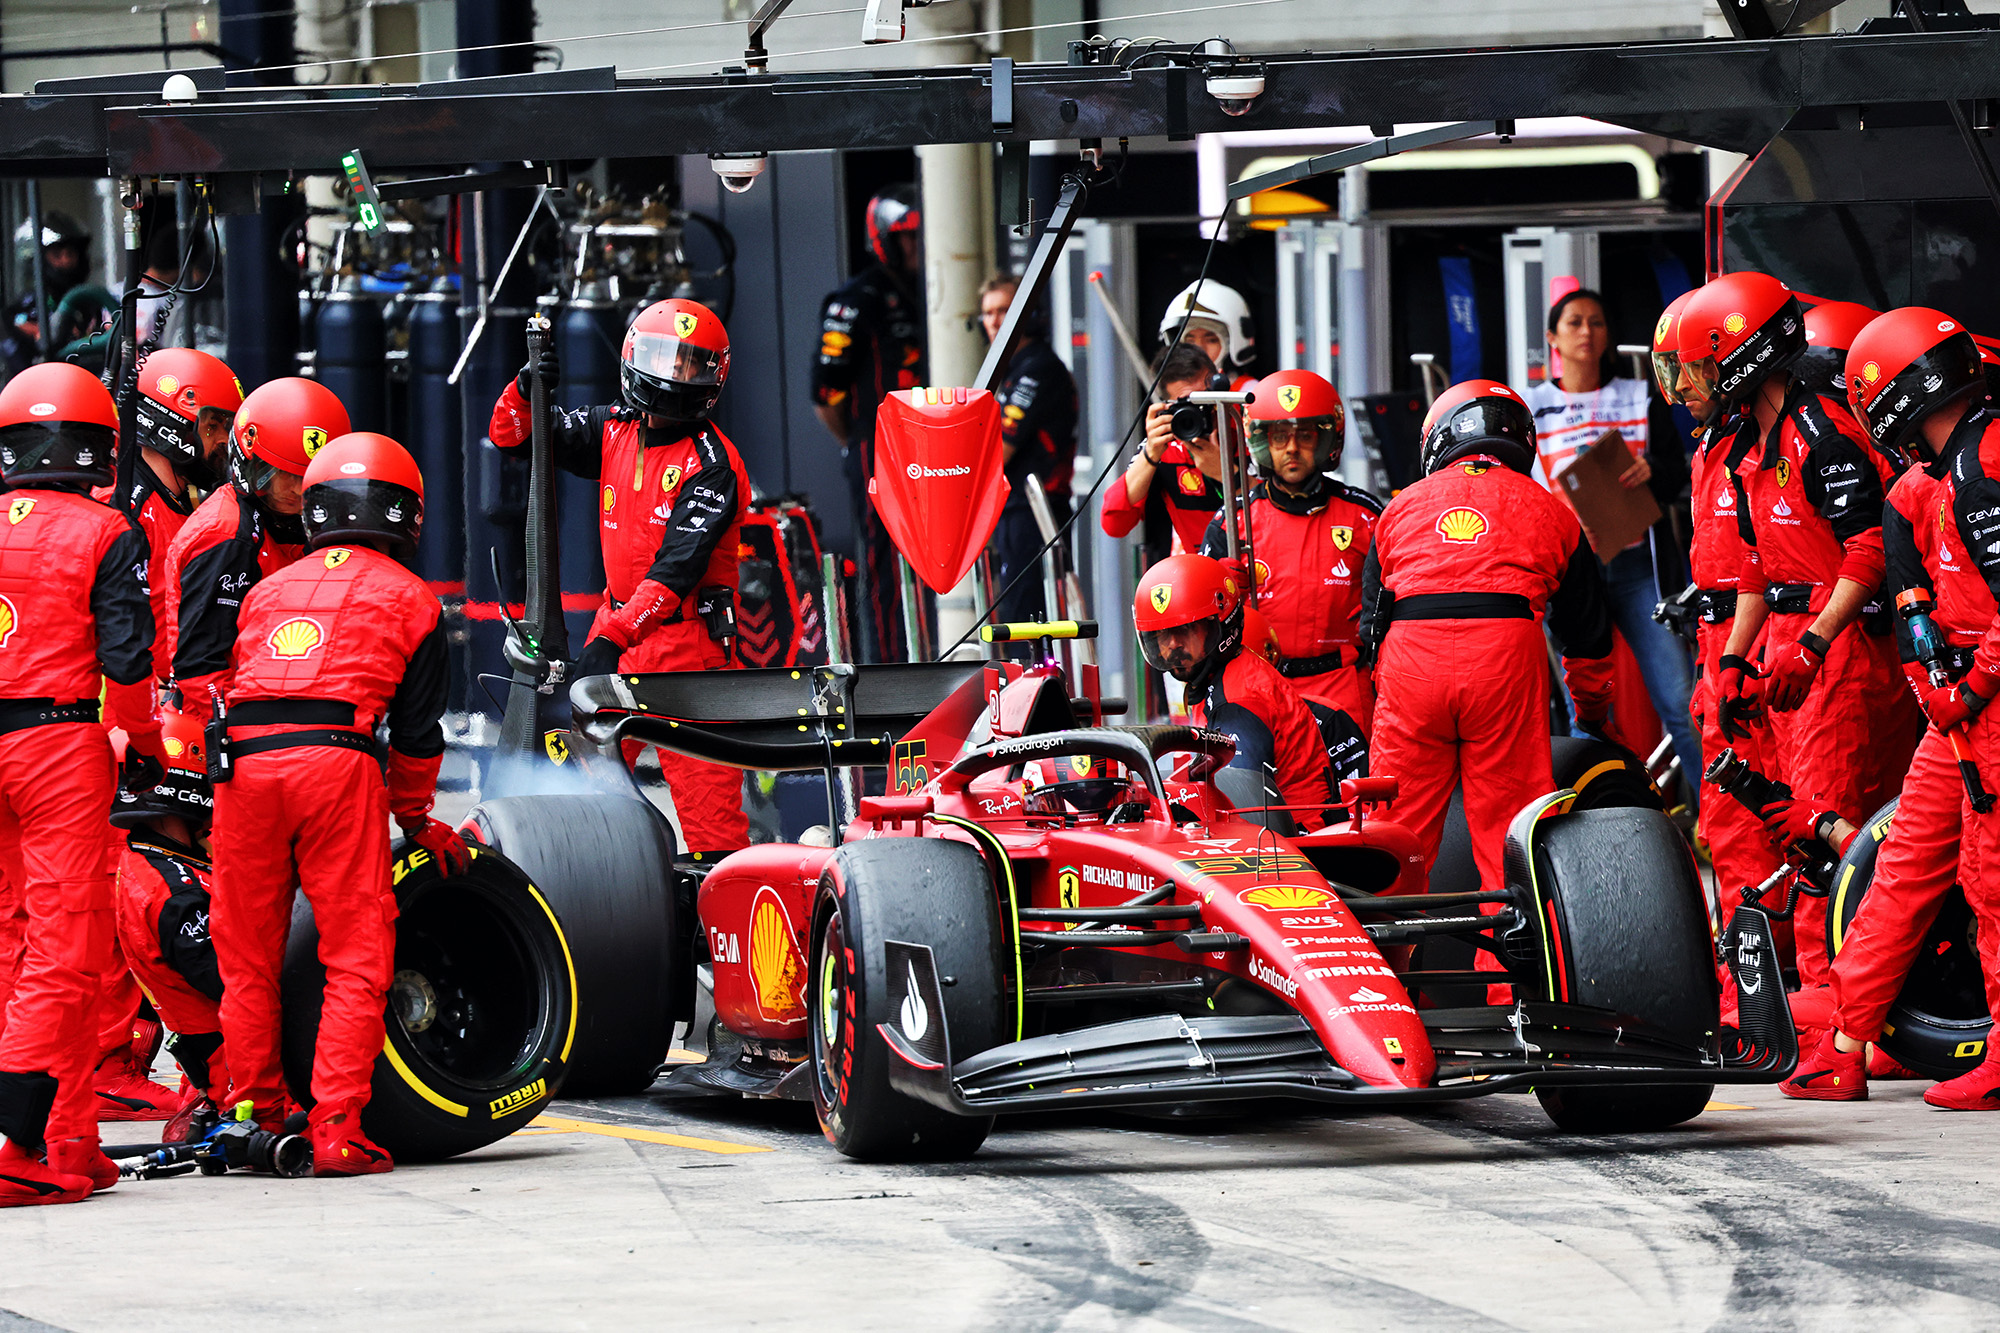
(1916, 381)
(1174, 482)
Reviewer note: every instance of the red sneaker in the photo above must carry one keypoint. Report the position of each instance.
(341, 1149)
(1829, 1075)
(1883, 1065)
(125, 1093)
(83, 1157)
(1977, 1091)
(26, 1180)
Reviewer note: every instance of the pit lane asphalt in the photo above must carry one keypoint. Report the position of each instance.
(649, 1211)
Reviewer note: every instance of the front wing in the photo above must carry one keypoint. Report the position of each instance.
(1480, 1050)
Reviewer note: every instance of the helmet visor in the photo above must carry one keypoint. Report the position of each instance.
(360, 508)
(58, 450)
(1700, 378)
(1667, 374)
(1318, 435)
(1181, 649)
(672, 360)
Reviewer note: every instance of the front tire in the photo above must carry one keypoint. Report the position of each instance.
(923, 891)
(1632, 933)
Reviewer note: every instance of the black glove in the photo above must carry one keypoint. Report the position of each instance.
(141, 772)
(598, 658)
(551, 372)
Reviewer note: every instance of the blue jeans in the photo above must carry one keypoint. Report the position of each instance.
(1663, 658)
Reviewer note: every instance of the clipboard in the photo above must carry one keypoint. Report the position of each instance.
(1613, 514)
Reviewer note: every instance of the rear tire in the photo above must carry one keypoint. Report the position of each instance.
(923, 891)
(1632, 931)
(605, 864)
(1939, 1024)
(480, 1014)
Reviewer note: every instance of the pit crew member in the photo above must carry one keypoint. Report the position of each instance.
(1174, 482)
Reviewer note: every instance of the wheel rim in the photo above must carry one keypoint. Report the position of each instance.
(829, 997)
(468, 999)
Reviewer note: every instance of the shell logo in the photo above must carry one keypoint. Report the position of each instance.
(684, 325)
(610, 498)
(1285, 897)
(1262, 572)
(7, 621)
(296, 638)
(20, 509)
(1732, 324)
(1343, 538)
(1288, 397)
(167, 385)
(1871, 372)
(174, 746)
(1463, 526)
(776, 969)
(1190, 480)
(1161, 594)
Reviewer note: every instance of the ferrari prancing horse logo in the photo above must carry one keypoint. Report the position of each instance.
(20, 509)
(1343, 538)
(1784, 472)
(1161, 594)
(1288, 397)
(684, 325)
(315, 440)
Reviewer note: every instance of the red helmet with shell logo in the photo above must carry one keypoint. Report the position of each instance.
(1906, 365)
(187, 401)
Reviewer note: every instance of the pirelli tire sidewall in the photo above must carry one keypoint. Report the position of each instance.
(1940, 1045)
(494, 923)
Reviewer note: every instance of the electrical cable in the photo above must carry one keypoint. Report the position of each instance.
(974, 36)
(1089, 497)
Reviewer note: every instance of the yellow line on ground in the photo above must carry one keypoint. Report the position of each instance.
(563, 1126)
(1712, 1106)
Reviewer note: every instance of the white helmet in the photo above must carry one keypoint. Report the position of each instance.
(1220, 309)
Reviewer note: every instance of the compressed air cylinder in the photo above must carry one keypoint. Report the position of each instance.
(434, 439)
(351, 357)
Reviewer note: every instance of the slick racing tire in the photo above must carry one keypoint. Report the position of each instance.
(1939, 1024)
(605, 864)
(1603, 776)
(920, 891)
(1632, 930)
(481, 1013)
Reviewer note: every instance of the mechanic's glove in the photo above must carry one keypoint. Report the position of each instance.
(1949, 709)
(551, 372)
(1793, 821)
(1739, 694)
(145, 766)
(1593, 715)
(441, 840)
(598, 658)
(1792, 671)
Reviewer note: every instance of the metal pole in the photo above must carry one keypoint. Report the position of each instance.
(1225, 429)
(41, 279)
(842, 797)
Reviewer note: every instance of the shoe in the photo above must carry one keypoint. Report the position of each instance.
(125, 1093)
(1977, 1091)
(1829, 1075)
(341, 1149)
(26, 1180)
(84, 1157)
(1883, 1065)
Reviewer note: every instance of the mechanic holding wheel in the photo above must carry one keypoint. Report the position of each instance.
(672, 496)
(1916, 381)
(1189, 614)
(74, 612)
(1308, 534)
(186, 400)
(1809, 509)
(1465, 563)
(329, 645)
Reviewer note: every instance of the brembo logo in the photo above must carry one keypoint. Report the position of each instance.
(917, 472)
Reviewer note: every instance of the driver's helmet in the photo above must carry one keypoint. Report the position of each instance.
(1079, 784)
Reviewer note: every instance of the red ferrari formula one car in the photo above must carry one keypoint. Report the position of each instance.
(1042, 914)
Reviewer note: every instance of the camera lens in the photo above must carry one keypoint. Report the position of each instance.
(1192, 421)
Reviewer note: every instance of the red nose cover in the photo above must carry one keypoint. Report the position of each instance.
(940, 481)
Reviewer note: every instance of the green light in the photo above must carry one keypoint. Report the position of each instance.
(368, 203)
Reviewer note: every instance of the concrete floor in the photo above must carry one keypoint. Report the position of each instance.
(651, 1212)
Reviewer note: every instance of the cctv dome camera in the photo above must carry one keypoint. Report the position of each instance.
(739, 171)
(1236, 90)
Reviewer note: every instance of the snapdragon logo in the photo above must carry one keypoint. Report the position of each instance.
(916, 472)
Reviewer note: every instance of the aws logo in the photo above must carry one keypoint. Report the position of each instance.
(1462, 526)
(296, 639)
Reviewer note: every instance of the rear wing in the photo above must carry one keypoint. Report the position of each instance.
(777, 718)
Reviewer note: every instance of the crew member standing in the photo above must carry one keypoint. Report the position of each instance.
(1037, 398)
(73, 612)
(1189, 614)
(1464, 565)
(1308, 535)
(671, 498)
(244, 532)
(332, 644)
(1918, 386)
(870, 345)
(1809, 506)
(1215, 320)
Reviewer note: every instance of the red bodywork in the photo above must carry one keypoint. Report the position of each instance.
(1306, 948)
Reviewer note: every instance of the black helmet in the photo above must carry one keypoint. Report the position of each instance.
(1478, 417)
(363, 487)
(58, 428)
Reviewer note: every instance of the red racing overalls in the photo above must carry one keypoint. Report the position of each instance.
(1181, 501)
(158, 877)
(1811, 514)
(217, 557)
(1309, 552)
(327, 647)
(669, 510)
(74, 611)
(1939, 521)
(1249, 699)
(1465, 564)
